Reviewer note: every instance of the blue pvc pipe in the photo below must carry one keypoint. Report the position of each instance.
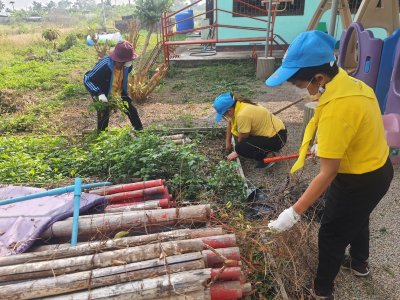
(77, 206)
(53, 192)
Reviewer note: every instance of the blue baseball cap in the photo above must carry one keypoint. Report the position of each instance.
(308, 49)
(222, 104)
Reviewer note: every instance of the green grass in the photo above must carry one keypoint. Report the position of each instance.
(214, 79)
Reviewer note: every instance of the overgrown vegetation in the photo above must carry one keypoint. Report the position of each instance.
(41, 86)
(118, 156)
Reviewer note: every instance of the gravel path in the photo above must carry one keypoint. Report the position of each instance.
(384, 282)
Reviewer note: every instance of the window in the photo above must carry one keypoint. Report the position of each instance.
(295, 9)
(355, 5)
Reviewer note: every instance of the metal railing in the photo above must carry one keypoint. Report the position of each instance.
(169, 41)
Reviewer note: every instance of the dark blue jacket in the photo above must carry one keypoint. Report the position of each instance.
(100, 79)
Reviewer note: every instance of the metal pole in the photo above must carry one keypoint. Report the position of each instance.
(332, 23)
(268, 28)
(77, 206)
(54, 192)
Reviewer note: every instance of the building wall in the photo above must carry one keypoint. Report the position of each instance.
(286, 26)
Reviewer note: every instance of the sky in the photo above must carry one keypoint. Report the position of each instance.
(25, 4)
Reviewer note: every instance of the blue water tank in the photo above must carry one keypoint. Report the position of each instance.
(186, 24)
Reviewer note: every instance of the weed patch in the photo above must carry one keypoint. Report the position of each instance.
(119, 156)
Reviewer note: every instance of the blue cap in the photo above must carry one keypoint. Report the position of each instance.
(222, 104)
(308, 49)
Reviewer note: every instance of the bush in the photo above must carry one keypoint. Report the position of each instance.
(226, 184)
(118, 156)
(70, 41)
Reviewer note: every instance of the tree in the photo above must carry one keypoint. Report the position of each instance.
(64, 4)
(51, 5)
(37, 6)
(149, 13)
(178, 4)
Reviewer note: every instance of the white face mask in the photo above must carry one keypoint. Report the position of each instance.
(128, 64)
(321, 90)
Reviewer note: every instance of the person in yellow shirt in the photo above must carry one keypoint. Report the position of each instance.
(355, 170)
(257, 130)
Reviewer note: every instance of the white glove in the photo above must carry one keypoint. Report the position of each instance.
(128, 64)
(314, 149)
(103, 98)
(285, 221)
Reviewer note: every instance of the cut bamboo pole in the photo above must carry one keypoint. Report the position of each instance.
(222, 241)
(107, 223)
(182, 141)
(206, 294)
(229, 290)
(128, 187)
(197, 295)
(100, 260)
(138, 195)
(104, 277)
(213, 260)
(151, 204)
(247, 289)
(152, 288)
(174, 137)
(180, 234)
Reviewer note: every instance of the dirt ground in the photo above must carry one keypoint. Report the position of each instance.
(169, 108)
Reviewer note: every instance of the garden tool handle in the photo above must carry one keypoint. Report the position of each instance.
(283, 157)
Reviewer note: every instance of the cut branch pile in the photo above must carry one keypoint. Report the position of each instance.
(197, 263)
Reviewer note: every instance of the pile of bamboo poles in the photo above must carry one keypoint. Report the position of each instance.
(143, 195)
(155, 260)
(180, 264)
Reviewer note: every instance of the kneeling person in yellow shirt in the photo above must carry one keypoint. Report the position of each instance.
(257, 130)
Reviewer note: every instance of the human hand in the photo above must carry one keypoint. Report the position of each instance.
(232, 156)
(314, 150)
(103, 98)
(228, 145)
(285, 220)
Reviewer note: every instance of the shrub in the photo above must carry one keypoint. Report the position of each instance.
(70, 41)
(118, 156)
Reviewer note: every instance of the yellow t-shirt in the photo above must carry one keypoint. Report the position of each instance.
(255, 120)
(350, 126)
(117, 83)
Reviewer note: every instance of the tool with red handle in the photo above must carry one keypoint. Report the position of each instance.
(283, 157)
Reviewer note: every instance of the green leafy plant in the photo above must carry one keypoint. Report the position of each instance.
(51, 35)
(17, 123)
(70, 41)
(38, 160)
(226, 184)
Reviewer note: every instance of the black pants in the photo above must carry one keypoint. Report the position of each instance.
(103, 116)
(257, 147)
(349, 202)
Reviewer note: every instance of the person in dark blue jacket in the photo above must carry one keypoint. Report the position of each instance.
(109, 80)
